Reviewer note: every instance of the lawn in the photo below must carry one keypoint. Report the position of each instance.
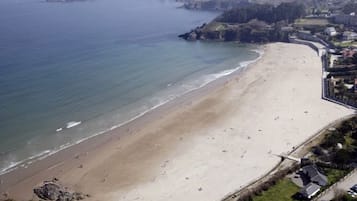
(334, 175)
(311, 22)
(346, 44)
(349, 143)
(282, 191)
(215, 26)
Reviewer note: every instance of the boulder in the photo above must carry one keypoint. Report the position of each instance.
(192, 36)
(52, 190)
(49, 191)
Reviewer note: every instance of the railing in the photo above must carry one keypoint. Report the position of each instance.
(325, 94)
(304, 42)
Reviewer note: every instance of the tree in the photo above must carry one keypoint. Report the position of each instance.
(267, 13)
(333, 139)
(349, 8)
(342, 157)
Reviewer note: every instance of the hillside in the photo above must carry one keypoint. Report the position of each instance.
(229, 4)
(252, 23)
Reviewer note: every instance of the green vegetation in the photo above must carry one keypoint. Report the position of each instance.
(349, 8)
(216, 26)
(349, 143)
(268, 13)
(311, 22)
(345, 134)
(334, 175)
(345, 43)
(258, 23)
(253, 31)
(282, 191)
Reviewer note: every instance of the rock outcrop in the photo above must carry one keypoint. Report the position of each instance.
(254, 31)
(53, 190)
(251, 23)
(214, 4)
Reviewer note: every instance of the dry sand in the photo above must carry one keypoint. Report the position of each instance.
(215, 144)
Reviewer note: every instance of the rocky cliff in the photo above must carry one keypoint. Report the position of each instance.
(257, 23)
(228, 4)
(252, 32)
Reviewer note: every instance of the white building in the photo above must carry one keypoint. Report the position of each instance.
(331, 31)
(310, 190)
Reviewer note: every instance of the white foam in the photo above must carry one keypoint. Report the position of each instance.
(212, 77)
(15, 165)
(188, 88)
(72, 124)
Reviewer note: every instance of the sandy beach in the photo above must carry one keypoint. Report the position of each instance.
(206, 146)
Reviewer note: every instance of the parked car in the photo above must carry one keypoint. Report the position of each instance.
(352, 193)
(354, 188)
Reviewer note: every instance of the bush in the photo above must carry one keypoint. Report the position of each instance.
(348, 126)
(342, 156)
(354, 135)
(333, 166)
(332, 140)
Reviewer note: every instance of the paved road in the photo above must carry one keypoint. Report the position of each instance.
(345, 185)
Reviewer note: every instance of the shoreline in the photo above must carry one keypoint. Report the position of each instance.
(220, 75)
(122, 130)
(224, 133)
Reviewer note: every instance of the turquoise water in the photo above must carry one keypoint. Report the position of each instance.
(69, 71)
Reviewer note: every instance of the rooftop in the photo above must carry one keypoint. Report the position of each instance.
(310, 190)
(315, 176)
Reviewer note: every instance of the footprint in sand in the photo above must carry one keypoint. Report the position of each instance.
(242, 156)
(164, 164)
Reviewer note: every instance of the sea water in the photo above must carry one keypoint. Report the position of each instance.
(70, 71)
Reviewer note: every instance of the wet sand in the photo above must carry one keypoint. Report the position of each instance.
(204, 145)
